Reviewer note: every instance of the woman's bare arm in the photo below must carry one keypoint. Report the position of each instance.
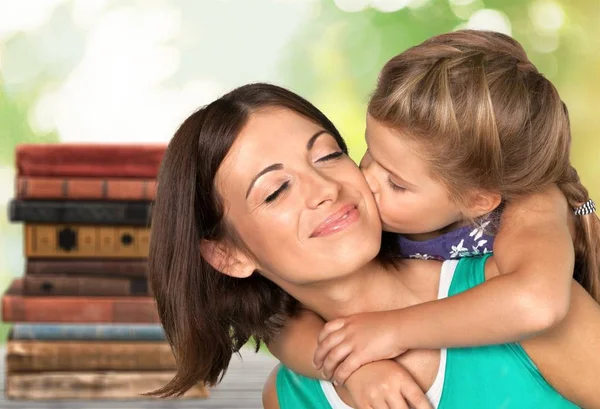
(568, 355)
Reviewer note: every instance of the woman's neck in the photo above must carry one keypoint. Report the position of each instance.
(374, 287)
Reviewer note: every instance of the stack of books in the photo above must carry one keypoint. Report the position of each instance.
(86, 325)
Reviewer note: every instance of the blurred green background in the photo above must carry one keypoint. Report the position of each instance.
(131, 70)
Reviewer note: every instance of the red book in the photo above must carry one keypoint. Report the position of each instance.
(89, 160)
(19, 308)
(36, 187)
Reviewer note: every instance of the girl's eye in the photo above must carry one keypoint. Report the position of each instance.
(395, 186)
(331, 156)
(276, 193)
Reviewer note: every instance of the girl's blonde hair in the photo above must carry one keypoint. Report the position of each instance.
(486, 118)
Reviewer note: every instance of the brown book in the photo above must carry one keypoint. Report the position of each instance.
(31, 187)
(35, 356)
(89, 160)
(118, 268)
(17, 307)
(53, 285)
(82, 241)
(92, 385)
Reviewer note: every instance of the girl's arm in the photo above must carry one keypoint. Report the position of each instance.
(535, 258)
(373, 386)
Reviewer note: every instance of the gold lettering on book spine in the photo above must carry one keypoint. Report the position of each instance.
(81, 241)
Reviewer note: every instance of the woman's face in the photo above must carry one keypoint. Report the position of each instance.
(300, 205)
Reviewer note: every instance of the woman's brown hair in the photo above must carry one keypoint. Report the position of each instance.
(207, 316)
(486, 118)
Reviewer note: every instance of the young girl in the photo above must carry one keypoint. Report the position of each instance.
(457, 127)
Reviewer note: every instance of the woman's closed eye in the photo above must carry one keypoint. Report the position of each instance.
(273, 196)
(331, 156)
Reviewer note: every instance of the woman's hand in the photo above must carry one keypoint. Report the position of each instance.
(385, 385)
(346, 344)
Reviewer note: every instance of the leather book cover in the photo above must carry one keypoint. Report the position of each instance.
(17, 307)
(57, 188)
(92, 385)
(76, 241)
(88, 332)
(89, 160)
(136, 268)
(80, 212)
(53, 285)
(48, 356)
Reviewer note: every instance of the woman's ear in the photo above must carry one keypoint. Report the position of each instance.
(482, 202)
(225, 258)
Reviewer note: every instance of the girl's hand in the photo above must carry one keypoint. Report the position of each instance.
(385, 385)
(346, 344)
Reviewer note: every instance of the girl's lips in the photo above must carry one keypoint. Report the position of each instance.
(337, 221)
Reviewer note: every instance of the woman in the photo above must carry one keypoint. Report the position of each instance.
(257, 198)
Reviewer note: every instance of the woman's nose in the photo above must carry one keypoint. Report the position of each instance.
(324, 189)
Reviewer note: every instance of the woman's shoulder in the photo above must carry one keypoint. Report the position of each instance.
(479, 268)
(269, 394)
(567, 354)
(491, 268)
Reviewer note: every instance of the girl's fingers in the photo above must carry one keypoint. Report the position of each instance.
(334, 358)
(325, 346)
(330, 327)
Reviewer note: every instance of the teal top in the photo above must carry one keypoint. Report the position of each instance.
(495, 376)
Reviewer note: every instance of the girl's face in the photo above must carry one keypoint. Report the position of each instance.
(409, 199)
(301, 206)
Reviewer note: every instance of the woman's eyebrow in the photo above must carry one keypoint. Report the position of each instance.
(270, 168)
(279, 166)
(313, 139)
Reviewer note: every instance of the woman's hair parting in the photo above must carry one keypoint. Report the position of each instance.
(207, 316)
(486, 118)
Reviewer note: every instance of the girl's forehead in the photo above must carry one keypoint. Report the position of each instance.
(396, 153)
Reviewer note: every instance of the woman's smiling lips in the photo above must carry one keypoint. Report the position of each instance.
(337, 221)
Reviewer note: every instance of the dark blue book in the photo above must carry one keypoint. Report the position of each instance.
(82, 212)
(88, 332)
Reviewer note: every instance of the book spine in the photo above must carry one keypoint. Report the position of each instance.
(18, 308)
(75, 241)
(53, 285)
(91, 385)
(117, 268)
(89, 160)
(34, 356)
(31, 188)
(110, 213)
(88, 332)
